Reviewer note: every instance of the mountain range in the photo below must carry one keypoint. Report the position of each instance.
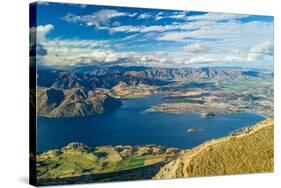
(73, 93)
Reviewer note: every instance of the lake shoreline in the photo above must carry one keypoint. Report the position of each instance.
(89, 130)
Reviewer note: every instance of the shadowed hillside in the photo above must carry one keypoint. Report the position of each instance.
(74, 102)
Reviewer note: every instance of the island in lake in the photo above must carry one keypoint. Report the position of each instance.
(193, 130)
(147, 98)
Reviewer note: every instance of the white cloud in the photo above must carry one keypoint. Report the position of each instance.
(141, 29)
(75, 52)
(38, 34)
(97, 19)
(261, 50)
(229, 42)
(178, 15)
(217, 17)
(222, 30)
(71, 52)
(174, 36)
(144, 16)
(132, 15)
(75, 43)
(71, 56)
(163, 15)
(181, 15)
(187, 28)
(208, 38)
(68, 52)
(159, 16)
(157, 28)
(212, 58)
(195, 48)
(257, 52)
(101, 20)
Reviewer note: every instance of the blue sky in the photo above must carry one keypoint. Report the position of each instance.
(77, 35)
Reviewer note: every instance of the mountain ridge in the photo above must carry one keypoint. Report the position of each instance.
(62, 93)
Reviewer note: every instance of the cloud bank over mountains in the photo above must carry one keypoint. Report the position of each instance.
(153, 38)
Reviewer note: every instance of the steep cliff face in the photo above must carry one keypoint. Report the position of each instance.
(247, 152)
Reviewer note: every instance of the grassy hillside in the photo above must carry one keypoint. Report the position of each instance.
(249, 152)
(78, 160)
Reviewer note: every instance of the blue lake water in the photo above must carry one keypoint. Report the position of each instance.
(131, 125)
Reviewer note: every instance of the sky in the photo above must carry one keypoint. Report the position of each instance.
(70, 35)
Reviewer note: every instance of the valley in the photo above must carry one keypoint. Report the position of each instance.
(208, 104)
(211, 98)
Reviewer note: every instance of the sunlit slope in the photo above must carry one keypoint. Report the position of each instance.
(248, 152)
(77, 159)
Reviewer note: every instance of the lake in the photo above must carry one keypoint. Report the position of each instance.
(131, 125)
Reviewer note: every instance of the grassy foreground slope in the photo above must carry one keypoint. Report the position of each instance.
(250, 152)
(78, 163)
